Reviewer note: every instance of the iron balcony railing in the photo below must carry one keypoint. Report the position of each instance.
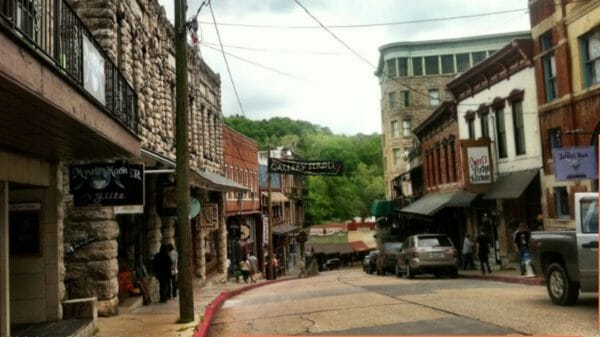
(52, 29)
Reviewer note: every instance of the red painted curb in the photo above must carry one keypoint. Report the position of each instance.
(211, 309)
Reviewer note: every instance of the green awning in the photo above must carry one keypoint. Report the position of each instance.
(433, 202)
(381, 208)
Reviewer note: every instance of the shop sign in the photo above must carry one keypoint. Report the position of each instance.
(209, 217)
(574, 163)
(479, 165)
(306, 167)
(107, 184)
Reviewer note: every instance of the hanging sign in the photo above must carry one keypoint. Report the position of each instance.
(479, 165)
(574, 163)
(107, 184)
(306, 167)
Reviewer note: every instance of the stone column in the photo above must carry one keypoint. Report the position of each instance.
(222, 246)
(154, 235)
(168, 230)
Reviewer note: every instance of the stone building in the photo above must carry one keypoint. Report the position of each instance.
(412, 78)
(566, 57)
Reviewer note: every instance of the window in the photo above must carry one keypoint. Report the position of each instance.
(471, 126)
(452, 159)
(548, 65)
(438, 163)
(462, 62)
(417, 63)
(501, 133)
(478, 57)
(519, 128)
(554, 139)
(397, 157)
(392, 99)
(447, 64)
(405, 98)
(406, 130)
(432, 66)
(395, 129)
(28, 18)
(561, 202)
(590, 46)
(403, 67)
(485, 127)
(434, 97)
(391, 68)
(446, 161)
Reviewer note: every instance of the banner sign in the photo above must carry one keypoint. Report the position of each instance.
(573, 163)
(107, 184)
(305, 167)
(479, 165)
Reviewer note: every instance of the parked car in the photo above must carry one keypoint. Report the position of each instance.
(386, 261)
(427, 253)
(370, 262)
(331, 264)
(568, 260)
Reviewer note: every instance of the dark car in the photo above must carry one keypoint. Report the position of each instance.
(370, 261)
(331, 264)
(386, 261)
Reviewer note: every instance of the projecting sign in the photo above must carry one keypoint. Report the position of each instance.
(573, 163)
(479, 165)
(306, 167)
(107, 184)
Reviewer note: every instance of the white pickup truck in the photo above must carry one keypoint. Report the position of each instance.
(569, 259)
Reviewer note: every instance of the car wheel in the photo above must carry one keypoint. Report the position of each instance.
(408, 273)
(561, 290)
(454, 273)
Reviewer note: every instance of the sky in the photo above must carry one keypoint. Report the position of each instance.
(280, 70)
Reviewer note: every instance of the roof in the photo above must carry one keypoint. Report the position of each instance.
(382, 208)
(512, 185)
(359, 246)
(431, 203)
(284, 229)
(275, 196)
(331, 248)
(215, 182)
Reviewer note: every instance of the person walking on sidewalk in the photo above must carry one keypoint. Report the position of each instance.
(253, 267)
(174, 271)
(245, 269)
(483, 250)
(521, 242)
(162, 270)
(467, 253)
(302, 267)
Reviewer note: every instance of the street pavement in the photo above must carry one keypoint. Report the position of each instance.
(159, 319)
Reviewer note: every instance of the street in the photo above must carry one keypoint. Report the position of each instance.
(351, 302)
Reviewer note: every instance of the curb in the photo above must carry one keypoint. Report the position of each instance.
(532, 281)
(212, 307)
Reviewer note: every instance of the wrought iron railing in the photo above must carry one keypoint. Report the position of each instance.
(52, 29)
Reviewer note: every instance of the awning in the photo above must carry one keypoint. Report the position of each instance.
(359, 246)
(284, 229)
(433, 202)
(331, 248)
(512, 185)
(276, 196)
(214, 182)
(382, 208)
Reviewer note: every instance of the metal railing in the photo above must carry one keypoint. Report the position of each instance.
(52, 29)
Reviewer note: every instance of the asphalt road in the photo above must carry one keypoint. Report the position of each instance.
(350, 302)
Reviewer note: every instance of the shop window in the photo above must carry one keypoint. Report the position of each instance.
(590, 47)
(463, 62)
(432, 66)
(519, 128)
(561, 202)
(417, 66)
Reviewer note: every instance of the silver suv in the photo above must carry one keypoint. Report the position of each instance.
(427, 253)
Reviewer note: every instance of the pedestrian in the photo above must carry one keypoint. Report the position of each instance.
(467, 252)
(483, 250)
(521, 242)
(162, 270)
(302, 267)
(174, 271)
(245, 269)
(229, 269)
(253, 267)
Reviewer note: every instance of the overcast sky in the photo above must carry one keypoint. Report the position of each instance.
(305, 73)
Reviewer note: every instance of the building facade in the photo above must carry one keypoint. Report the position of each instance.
(412, 77)
(566, 58)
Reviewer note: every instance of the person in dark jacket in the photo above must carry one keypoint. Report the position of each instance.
(162, 270)
(483, 250)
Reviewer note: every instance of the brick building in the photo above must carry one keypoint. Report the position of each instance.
(566, 38)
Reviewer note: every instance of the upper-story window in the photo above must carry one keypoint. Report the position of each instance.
(554, 139)
(392, 99)
(432, 66)
(519, 127)
(500, 132)
(471, 127)
(395, 129)
(434, 97)
(391, 68)
(405, 96)
(417, 66)
(485, 127)
(402, 67)
(463, 62)
(590, 46)
(397, 156)
(406, 130)
(447, 64)
(548, 65)
(478, 56)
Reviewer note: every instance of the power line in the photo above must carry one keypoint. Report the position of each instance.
(285, 51)
(369, 25)
(237, 96)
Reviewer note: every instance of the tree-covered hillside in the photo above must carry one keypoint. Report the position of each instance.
(331, 198)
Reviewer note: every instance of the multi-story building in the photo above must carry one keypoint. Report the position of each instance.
(497, 101)
(412, 77)
(566, 36)
(242, 209)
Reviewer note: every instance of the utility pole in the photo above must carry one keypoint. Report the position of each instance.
(270, 274)
(183, 230)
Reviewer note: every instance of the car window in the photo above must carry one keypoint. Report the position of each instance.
(434, 241)
(590, 219)
(392, 247)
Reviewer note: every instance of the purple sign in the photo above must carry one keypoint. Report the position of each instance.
(573, 163)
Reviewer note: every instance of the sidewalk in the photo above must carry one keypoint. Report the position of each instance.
(511, 274)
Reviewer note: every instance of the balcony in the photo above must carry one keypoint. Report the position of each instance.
(61, 97)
